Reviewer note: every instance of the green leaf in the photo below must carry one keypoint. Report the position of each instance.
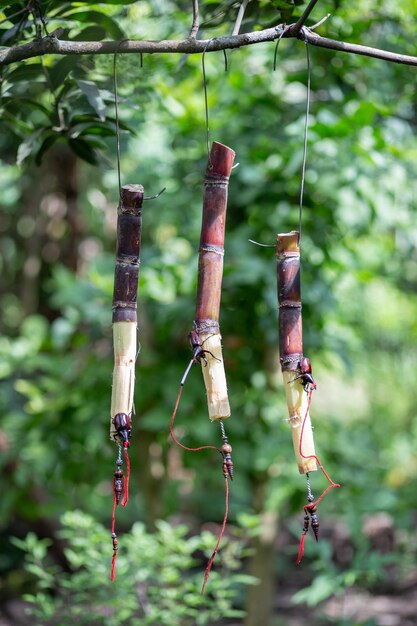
(26, 72)
(91, 33)
(46, 144)
(92, 93)
(97, 18)
(88, 128)
(26, 147)
(322, 587)
(60, 70)
(84, 150)
(126, 2)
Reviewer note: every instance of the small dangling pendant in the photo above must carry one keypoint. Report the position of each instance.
(118, 490)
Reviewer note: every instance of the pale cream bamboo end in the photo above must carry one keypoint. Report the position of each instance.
(123, 386)
(215, 377)
(297, 401)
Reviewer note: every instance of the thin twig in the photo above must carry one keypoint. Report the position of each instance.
(304, 17)
(9, 18)
(52, 45)
(320, 22)
(196, 20)
(239, 18)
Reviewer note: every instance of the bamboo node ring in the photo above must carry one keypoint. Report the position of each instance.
(206, 326)
(212, 248)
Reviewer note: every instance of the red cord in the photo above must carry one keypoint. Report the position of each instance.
(171, 429)
(113, 525)
(113, 514)
(126, 483)
(301, 548)
(333, 485)
(219, 538)
(178, 443)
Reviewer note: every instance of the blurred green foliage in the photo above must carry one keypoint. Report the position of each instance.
(359, 275)
(157, 582)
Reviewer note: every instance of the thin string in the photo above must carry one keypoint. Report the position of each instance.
(310, 506)
(332, 485)
(303, 167)
(113, 514)
(171, 424)
(203, 65)
(197, 449)
(280, 36)
(126, 482)
(219, 538)
(116, 108)
(114, 557)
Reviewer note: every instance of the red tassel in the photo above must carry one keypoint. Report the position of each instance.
(113, 567)
(301, 548)
(126, 485)
(219, 538)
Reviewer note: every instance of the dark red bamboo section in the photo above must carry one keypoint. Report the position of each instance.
(126, 275)
(289, 300)
(210, 262)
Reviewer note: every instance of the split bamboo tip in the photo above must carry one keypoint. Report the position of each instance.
(287, 243)
(131, 196)
(221, 159)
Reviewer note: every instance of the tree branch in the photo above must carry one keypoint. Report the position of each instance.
(52, 45)
(353, 48)
(239, 18)
(304, 17)
(196, 20)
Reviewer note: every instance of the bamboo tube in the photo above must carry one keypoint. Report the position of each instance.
(129, 224)
(210, 274)
(291, 346)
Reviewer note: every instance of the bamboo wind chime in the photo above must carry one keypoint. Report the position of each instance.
(205, 338)
(129, 223)
(297, 374)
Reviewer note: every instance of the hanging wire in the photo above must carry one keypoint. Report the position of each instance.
(226, 62)
(116, 108)
(303, 167)
(203, 65)
(280, 36)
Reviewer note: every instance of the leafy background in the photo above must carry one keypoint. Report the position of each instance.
(359, 271)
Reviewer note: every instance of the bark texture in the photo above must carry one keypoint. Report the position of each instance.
(53, 45)
(129, 227)
(210, 261)
(210, 275)
(289, 301)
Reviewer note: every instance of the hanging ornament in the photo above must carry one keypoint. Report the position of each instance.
(205, 338)
(297, 374)
(129, 223)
